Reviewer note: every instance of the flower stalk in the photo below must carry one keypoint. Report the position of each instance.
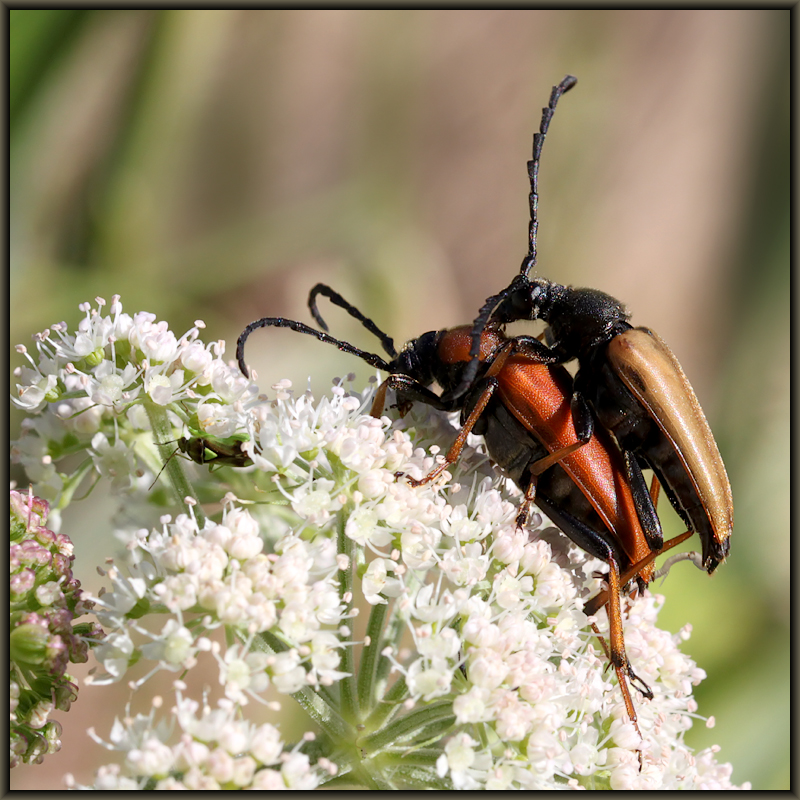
(163, 430)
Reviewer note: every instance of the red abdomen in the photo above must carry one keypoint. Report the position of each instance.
(539, 397)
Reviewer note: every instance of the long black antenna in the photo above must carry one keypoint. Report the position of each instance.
(279, 322)
(529, 262)
(321, 288)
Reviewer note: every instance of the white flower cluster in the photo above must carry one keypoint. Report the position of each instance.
(215, 750)
(476, 667)
(221, 573)
(94, 392)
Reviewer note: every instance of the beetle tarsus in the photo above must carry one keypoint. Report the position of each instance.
(638, 683)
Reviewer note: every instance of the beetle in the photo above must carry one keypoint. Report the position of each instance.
(629, 377)
(571, 468)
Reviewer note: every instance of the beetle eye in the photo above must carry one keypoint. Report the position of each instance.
(538, 303)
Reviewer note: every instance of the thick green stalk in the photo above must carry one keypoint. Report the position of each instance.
(367, 694)
(347, 686)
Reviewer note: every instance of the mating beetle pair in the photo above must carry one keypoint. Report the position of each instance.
(576, 448)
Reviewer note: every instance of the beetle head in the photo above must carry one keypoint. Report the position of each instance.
(417, 358)
(523, 299)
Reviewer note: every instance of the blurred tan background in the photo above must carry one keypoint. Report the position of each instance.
(217, 164)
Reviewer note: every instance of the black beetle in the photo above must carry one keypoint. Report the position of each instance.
(538, 429)
(629, 377)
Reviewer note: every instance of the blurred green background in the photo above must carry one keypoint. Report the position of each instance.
(216, 164)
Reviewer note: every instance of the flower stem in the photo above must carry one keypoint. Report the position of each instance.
(369, 657)
(394, 632)
(319, 705)
(162, 433)
(389, 704)
(438, 716)
(347, 686)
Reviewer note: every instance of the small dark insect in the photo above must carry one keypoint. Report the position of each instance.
(208, 451)
(214, 452)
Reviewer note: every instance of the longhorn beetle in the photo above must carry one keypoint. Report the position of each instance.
(629, 377)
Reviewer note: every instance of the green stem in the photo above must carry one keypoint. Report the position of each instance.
(413, 777)
(74, 481)
(369, 657)
(163, 435)
(328, 720)
(436, 717)
(318, 707)
(267, 642)
(343, 781)
(392, 639)
(388, 705)
(423, 757)
(347, 686)
(359, 778)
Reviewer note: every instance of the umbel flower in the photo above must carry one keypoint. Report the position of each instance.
(430, 642)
